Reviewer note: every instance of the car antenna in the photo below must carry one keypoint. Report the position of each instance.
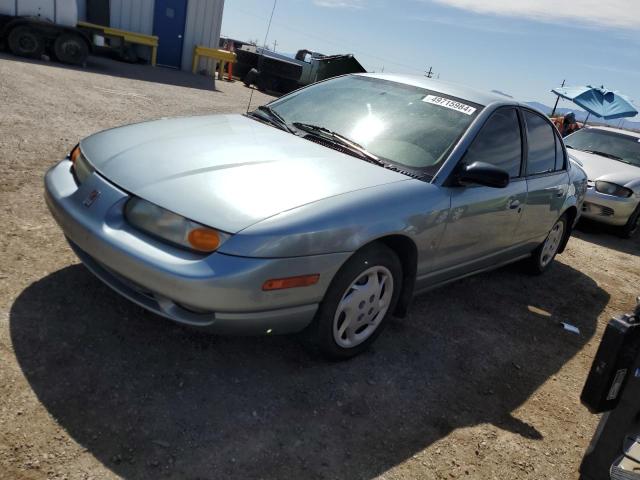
(263, 49)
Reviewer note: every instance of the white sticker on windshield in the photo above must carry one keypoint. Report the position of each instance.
(451, 104)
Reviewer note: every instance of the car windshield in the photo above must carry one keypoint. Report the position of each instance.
(614, 145)
(402, 124)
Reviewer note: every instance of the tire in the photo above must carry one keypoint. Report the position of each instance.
(372, 304)
(264, 83)
(251, 77)
(632, 226)
(71, 49)
(542, 257)
(129, 55)
(25, 42)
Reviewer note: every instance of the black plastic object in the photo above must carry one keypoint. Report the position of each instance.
(482, 173)
(613, 364)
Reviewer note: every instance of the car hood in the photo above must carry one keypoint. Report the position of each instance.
(226, 171)
(607, 169)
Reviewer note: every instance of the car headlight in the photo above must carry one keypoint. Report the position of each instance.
(613, 189)
(172, 227)
(82, 169)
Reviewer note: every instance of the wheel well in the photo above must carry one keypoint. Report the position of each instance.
(571, 213)
(80, 34)
(407, 252)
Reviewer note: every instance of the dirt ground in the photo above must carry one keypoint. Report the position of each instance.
(478, 382)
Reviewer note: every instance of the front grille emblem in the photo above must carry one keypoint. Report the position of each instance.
(90, 200)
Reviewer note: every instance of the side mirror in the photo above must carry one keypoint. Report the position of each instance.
(480, 173)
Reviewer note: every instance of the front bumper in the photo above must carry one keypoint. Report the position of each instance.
(608, 208)
(217, 291)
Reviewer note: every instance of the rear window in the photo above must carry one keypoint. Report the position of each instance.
(541, 156)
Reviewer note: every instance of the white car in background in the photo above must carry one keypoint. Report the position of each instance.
(611, 158)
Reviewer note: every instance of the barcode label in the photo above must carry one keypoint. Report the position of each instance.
(450, 104)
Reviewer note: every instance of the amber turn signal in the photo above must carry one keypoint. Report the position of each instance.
(204, 239)
(75, 153)
(291, 282)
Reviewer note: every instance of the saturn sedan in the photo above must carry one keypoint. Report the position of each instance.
(611, 158)
(324, 211)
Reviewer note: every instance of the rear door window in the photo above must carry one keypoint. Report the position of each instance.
(499, 143)
(541, 157)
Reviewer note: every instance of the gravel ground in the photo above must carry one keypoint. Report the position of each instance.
(478, 382)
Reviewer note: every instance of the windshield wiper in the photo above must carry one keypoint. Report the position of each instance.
(604, 154)
(274, 118)
(340, 140)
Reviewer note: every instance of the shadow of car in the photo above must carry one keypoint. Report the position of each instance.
(146, 396)
(605, 236)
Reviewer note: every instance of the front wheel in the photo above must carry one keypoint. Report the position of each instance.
(25, 42)
(632, 226)
(543, 256)
(358, 303)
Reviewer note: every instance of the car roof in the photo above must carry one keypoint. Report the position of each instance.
(616, 130)
(455, 90)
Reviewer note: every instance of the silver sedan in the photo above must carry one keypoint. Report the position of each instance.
(611, 158)
(325, 211)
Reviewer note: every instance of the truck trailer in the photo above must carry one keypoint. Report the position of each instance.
(31, 28)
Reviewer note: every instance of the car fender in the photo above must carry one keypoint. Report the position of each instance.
(345, 223)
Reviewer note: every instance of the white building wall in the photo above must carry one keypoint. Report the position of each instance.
(132, 15)
(204, 20)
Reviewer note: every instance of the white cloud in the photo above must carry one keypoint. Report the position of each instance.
(353, 4)
(610, 13)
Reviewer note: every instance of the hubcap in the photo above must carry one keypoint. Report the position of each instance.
(70, 49)
(27, 43)
(363, 306)
(551, 244)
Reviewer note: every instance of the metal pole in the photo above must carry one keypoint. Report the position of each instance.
(557, 100)
(266, 35)
(584, 124)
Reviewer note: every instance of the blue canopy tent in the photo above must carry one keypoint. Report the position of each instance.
(599, 101)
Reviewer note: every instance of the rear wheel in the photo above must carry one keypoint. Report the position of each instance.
(25, 42)
(632, 226)
(71, 48)
(543, 256)
(358, 303)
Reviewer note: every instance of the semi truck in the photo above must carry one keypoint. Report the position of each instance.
(31, 28)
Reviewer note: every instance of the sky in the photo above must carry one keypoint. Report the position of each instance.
(521, 47)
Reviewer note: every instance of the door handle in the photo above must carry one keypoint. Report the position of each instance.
(513, 204)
